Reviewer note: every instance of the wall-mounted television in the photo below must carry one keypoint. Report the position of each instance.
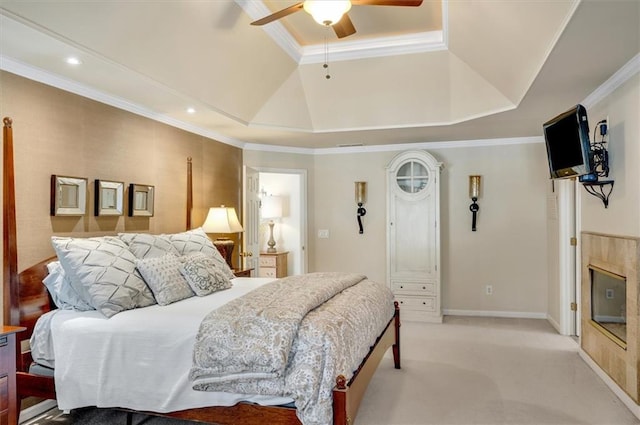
(568, 146)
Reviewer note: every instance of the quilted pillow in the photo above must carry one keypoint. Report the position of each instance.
(203, 274)
(102, 270)
(62, 293)
(144, 245)
(164, 278)
(196, 240)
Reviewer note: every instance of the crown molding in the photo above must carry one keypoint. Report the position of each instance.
(50, 79)
(620, 77)
(379, 47)
(256, 9)
(478, 143)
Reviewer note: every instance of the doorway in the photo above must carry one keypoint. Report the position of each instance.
(290, 228)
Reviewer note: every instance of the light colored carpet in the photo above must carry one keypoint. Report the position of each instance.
(472, 371)
(489, 371)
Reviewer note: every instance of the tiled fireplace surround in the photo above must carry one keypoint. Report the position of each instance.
(619, 255)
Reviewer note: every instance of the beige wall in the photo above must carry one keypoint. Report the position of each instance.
(622, 217)
(508, 251)
(56, 132)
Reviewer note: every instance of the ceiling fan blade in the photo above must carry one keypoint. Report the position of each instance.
(412, 3)
(344, 27)
(279, 14)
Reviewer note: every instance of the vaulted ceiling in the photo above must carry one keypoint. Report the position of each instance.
(452, 70)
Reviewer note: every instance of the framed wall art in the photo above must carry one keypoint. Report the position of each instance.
(141, 200)
(68, 195)
(109, 198)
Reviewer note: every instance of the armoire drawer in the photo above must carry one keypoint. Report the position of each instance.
(417, 303)
(421, 288)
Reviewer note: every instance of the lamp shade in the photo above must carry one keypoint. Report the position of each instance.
(474, 186)
(361, 192)
(222, 220)
(271, 207)
(327, 12)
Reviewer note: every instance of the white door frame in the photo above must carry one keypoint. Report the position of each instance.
(578, 262)
(302, 173)
(567, 254)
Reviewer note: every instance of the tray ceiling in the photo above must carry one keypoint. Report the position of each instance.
(442, 71)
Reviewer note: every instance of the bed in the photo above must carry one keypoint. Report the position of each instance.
(27, 299)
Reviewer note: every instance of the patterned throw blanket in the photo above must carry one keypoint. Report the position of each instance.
(291, 338)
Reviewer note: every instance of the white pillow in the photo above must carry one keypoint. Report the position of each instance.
(62, 293)
(103, 272)
(203, 274)
(196, 240)
(163, 276)
(145, 245)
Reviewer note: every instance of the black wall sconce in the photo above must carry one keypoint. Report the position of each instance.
(474, 194)
(361, 199)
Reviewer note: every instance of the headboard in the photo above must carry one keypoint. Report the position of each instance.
(25, 296)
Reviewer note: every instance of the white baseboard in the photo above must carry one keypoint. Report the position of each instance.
(35, 410)
(619, 392)
(492, 313)
(555, 324)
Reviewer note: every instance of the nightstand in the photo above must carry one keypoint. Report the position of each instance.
(273, 264)
(242, 272)
(8, 396)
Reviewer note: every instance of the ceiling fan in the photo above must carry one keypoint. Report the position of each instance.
(333, 12)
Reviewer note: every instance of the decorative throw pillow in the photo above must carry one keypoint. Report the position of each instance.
(196, 240)
(102, 270)
(62, 293)
(203, 275)
(163, 276)
(145, 245)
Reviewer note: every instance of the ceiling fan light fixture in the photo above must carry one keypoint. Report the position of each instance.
(327, 12)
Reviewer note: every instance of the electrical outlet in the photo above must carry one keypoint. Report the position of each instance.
(488, 289)
(323, 233)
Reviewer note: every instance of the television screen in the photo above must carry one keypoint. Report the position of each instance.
(568, 146)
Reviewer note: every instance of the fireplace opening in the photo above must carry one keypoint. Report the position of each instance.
(608, 304)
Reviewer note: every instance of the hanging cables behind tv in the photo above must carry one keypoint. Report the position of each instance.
(599, 149)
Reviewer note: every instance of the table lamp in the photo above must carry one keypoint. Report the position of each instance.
(223, 220)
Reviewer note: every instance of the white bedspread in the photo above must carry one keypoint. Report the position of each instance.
(277, 326)
(139, 359)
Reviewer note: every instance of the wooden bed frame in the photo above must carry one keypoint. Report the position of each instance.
(26, 299)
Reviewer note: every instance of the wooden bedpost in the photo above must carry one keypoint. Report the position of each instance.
(189, 193)
(10, 253)
(396, 346)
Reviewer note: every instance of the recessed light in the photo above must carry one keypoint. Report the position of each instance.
(72, 60)
(191, 110)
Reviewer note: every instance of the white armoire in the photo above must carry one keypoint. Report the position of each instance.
(413, 234)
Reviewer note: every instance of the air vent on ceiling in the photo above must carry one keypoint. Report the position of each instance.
(349, 145)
